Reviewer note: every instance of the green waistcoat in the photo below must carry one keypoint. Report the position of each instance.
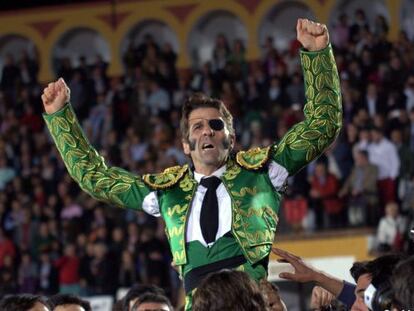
(255, 205)
(255, 202)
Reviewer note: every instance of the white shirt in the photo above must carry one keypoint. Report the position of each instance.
(371, 103)
(384, 155)
(388, 228)
(277, 174)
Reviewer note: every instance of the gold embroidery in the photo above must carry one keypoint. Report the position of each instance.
(179, 257)
(316, 64)
(166, 179)
(231, 172)
(176, 231)
(254, 158)
(305, 61)
(186, 184)
(260, 237)
(244, 190)
(176, 209)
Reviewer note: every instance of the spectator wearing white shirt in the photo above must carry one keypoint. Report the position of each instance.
(158, 101)
(391, 229)
(383, 153)
(409, 93)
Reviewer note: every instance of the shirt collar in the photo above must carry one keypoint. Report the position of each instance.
(218, 173)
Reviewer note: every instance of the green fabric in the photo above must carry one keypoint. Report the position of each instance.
(255, 204)
(199, 255)
(223, 248)
(112, 185)
(323, 113)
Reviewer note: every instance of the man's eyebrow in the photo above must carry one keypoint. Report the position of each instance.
(197, 122)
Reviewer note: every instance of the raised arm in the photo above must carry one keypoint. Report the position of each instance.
(112, 185)
(323, 111)
(305, 273)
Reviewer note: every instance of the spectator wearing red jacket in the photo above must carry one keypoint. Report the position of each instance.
(68, 266)
(324, 197)
(6, 247)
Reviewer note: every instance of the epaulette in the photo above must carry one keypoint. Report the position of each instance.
(168, 178)
(253, 159)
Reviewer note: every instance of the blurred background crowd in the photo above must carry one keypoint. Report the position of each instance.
(55, 238)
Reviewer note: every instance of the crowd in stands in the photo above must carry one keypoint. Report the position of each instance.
(54, 238)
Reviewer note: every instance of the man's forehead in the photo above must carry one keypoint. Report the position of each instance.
(153, 306)
(204, 113)
(69, 307)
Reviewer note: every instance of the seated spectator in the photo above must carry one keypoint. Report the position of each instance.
(7, 172)
(23, 302)
(66, 302)
(324, 197)
(361, 189)
(48, 274)
(383, 153)
(391, 229)
(7, 247)
(152, 302)
(68, 266)
(228, 290)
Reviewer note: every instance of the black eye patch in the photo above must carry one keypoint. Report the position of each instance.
(216, 124)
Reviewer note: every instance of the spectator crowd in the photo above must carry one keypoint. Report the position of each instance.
(54, 238)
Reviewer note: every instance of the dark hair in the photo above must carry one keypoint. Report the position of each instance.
(358, 269)
(402, 284)
(20, 302)
(363, 152)
(228, 290)
(378, 129)
(199, 100)
(68, 299)
(152, 297)
(380, 268)
(138, 290)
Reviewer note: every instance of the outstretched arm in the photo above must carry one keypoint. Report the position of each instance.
(305, 273)
(323, 111)
(112, 185)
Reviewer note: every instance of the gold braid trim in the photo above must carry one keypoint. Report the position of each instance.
(166, 179)
(253, 159)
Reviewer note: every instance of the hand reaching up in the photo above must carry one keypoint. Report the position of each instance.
(313, 36)
(55, 96)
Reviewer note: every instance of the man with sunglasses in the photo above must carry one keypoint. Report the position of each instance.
(220, 212)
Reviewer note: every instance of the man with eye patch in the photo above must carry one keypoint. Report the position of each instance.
(220, 211)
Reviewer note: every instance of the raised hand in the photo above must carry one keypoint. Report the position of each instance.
(303, 272)
(313, 36)
(55, 96)
(306, 273)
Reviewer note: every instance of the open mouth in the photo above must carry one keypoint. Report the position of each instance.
(207, 146)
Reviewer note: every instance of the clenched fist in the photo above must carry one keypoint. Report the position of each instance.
(313, 36)
(55, 96)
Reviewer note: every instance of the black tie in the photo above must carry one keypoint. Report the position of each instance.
(209, 209)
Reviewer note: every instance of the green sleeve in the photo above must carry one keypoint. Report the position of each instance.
(323, 113)
(112, 185)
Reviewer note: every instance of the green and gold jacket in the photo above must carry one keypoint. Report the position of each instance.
(255, 202)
